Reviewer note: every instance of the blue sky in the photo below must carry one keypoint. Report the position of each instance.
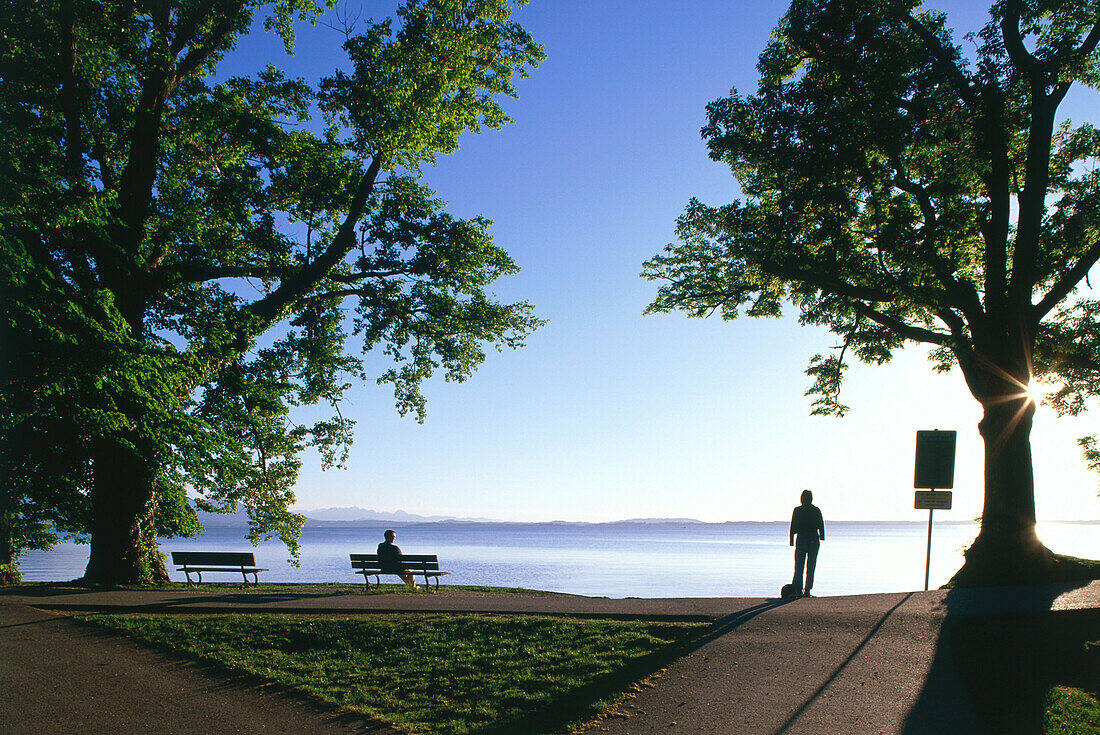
(607, 414)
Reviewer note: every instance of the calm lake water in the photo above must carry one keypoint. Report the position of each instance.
(614, 560)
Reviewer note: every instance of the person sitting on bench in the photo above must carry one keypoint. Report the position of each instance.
(389, 554)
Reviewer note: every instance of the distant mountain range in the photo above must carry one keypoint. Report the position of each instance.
(355, 514)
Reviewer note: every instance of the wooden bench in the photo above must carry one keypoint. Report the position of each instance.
(198, 562)
(424, 565)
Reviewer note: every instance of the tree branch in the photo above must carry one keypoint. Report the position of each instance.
(106, 173)
(943, 58)
(1014, 42)
(70, 103)
(271, 307)
(953, 321)
(918, 192)
(1074, 360)
(822, 281)
(196, 56)
(364, 275)
(1066, 283)
(202, 273)
(961, 296)
(1090, 43)
(906, 331)
(995, 225)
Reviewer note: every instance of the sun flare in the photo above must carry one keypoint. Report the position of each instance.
(1034, 392)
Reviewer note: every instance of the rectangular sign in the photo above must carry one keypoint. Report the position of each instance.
(934, 467)
(932, 500)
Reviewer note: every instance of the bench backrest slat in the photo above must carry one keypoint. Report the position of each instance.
(426, 562)
(217, 558)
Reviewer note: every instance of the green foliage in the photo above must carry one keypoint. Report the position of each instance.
(878, 166)
(452, 59)
(180, 253)
(9, 575)
(426, 674)
(1091, 451)
(1070, 711)
(899, 188)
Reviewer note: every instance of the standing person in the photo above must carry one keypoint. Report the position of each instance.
(807, 533)
(389, 557)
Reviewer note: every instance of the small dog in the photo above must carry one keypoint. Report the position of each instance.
(788, 591)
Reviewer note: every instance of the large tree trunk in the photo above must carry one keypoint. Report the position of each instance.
(1008, 516)
(124, 545)
(123, 500)
(8, 573)
(1007, 549)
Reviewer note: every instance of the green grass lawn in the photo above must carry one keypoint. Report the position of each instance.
(445, 674)
(1071, 711)
(337, 588)
(305, 588)
(499, 674)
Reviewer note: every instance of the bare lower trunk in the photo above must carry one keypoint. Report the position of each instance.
(123, 545)
(1007, 550)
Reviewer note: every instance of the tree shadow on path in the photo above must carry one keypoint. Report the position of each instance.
(992, 670)
(832, 677)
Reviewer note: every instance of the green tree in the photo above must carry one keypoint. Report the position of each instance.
(186, 257)
(899, 188)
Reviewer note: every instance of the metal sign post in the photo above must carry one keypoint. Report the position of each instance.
(931, 500)
(934, 467)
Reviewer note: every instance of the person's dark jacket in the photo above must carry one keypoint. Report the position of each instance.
(807, 519)
(389, 557)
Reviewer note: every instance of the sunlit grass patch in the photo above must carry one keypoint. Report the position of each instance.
(429, 673)
(1071, 711)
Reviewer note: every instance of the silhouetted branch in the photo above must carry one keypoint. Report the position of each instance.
(1067, 282)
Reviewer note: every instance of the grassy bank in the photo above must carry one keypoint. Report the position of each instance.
(301, 588)
(435, 674)
(1071, 711)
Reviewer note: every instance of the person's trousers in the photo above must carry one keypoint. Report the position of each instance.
(805, 557)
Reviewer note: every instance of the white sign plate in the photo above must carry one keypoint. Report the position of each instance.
(932, 500)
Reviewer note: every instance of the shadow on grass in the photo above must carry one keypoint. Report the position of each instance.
(227, 683)
(43, 589)
(584, 703)
(992, 671)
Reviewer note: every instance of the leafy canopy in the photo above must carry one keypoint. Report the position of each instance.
(187, 260)
(899, 187)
